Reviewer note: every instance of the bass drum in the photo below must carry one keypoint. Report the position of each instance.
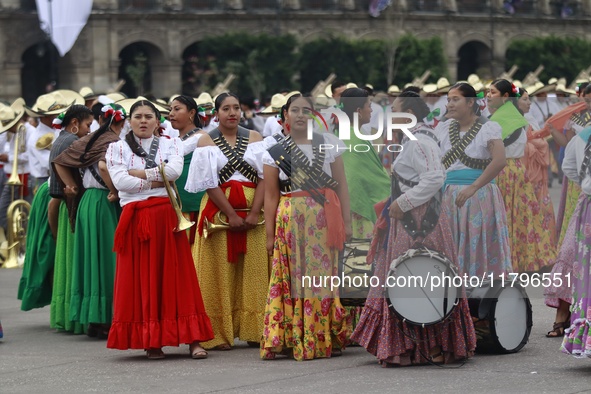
(502, 317)
(410, 293)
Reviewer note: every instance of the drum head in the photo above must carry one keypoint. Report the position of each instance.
(421, 305)
(512, 319)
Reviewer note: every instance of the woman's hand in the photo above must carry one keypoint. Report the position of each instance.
(236, 223)
(113, 197)
(270, 245)
(464, 195)
(71, 191)
(395, 211)
(252, 220)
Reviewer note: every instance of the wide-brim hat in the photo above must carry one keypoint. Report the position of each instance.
(443, 85)
(328, 91)
(204, 100)
(539, 87)
(277, 101)
(561, 88)
(429, 88)
(393, 90)
(87, 93)
(129, 102)
(10, 115)
(54, 103)
(117, 96)
(473, 79)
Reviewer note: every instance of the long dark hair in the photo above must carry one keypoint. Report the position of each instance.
(504, 86)
(102, 130)
(468, 92)
(77, 111)
(410, 100)
(135, 147)
(190, 103)
(290, 100)
(353, 98)
(220, 99)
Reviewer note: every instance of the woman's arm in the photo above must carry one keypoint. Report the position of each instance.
(219, 199)
(272, 195)
(497, 151)
(252, 219)
(338, 173)
(70, 189)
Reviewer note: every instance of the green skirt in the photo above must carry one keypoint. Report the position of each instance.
(59, 314)
(93, 271)
(36, 282)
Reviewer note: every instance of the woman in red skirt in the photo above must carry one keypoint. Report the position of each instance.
(157, 300)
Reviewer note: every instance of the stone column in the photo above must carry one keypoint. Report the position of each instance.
(100, 47)
(496, 5)
(166, 78)
(586, 7)
(450, 6)
(401, 6)
(544, 7)
(291, 4)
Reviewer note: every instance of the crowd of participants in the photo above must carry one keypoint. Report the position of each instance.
(104, 252)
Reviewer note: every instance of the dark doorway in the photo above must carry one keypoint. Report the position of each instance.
(473, 58)
(39, 71)
(135, 69)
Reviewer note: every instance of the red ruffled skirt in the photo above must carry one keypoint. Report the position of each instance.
(157, 301)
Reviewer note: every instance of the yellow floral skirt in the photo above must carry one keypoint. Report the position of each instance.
(530, 243)
(234, 294)
(307, 320)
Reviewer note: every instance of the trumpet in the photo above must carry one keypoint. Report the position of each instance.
(182, 223)
(210, 228)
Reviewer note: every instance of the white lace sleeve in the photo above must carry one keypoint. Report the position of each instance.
(203, 171)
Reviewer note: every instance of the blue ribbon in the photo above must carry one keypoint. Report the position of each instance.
(463, 177)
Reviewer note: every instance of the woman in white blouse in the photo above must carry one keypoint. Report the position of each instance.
(157, 301)
(577, 167)
(307, 224)
(184, 117)
(232, 264)
(529, 234)
(419, 175)
(474, 202)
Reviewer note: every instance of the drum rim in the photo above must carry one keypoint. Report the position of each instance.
(529, 319)
(417, 252)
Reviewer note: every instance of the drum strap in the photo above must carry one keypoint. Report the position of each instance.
(458, 150)
(585, 166)
(429, 220)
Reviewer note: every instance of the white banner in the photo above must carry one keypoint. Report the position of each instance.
(68, 18)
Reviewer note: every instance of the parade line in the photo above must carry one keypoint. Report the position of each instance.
(438, 281)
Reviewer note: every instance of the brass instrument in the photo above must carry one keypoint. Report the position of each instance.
(321, 85)
(45, 141)
(17, 217)
(210, 228)
(175, 200)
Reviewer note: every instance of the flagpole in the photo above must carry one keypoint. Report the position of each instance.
(52, 60)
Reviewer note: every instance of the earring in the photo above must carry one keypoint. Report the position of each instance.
(77, 129)
(215, 119)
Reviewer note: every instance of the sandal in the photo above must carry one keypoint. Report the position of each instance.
(154, 354)
(197, 352)
(557, 330)
(336, 353)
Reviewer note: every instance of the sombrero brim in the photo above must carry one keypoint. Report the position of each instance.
(19, 108)
(129, 102)
(544, 89)
(70, 96)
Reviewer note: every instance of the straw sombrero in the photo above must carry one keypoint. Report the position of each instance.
(129, 102)
(54, 103)
(277, 101)
(10, 115)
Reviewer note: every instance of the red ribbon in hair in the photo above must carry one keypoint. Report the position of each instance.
(236, 240)
(117, 115)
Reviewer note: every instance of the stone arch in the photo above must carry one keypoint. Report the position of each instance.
(159, 43)
(139, 58)
(472, 56)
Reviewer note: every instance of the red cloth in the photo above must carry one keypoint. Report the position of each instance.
(236, 240)
(25, 180)
(334, 217)
(157, 300)
(561, 117)
(537, 158)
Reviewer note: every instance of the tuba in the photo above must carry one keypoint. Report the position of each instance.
(17, 217)
(182, 223)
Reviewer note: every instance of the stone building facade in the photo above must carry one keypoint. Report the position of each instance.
(480, 29)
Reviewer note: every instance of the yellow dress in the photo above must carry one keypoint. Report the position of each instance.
(234, 294)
